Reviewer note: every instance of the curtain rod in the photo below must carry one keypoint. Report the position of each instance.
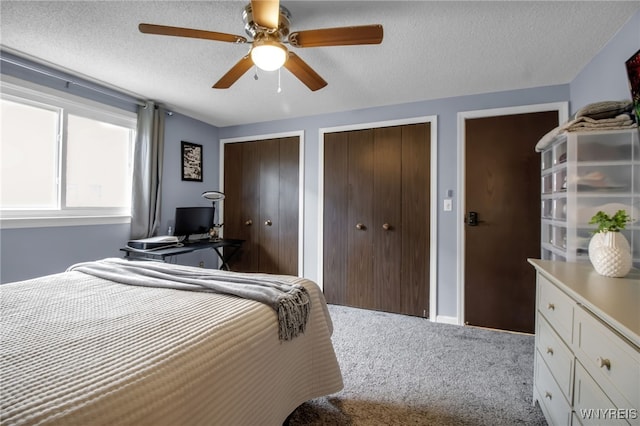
(113, 94)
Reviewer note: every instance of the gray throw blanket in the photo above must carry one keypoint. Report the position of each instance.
(291, 301)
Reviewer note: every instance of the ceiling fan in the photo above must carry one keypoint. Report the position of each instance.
(267, 23)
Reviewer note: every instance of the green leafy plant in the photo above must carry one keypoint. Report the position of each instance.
(607, 223)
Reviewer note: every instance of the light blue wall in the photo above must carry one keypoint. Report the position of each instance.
(604, 78)
(179, 193)
(32, 252)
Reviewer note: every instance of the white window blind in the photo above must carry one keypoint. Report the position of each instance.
(64, 160)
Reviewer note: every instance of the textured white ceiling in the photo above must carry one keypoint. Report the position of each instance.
(430, 50)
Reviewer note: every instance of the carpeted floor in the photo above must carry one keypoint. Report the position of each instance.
(401, 370)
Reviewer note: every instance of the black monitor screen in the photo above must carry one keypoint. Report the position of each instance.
(193, 220)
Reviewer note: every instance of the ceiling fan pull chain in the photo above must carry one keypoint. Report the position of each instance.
(255, 73)
(279, 88)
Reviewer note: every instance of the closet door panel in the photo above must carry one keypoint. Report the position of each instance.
(235, 203)
(360, 289)
(248, 257)
(233, 191)
(288, 206)
(387, 218)
(335, 225)
(414, 260)
(269, 222)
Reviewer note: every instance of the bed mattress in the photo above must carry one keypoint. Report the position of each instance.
(82, 350)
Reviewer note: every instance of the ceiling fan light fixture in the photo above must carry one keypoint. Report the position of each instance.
(268, 55)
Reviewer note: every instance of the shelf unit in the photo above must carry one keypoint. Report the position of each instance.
(582, 173)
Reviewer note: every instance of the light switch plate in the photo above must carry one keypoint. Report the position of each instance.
(448, 205)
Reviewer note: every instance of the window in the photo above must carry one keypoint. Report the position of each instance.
(64, 160)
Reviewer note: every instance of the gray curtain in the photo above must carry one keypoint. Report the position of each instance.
(147, 171)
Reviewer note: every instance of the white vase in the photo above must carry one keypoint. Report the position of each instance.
(610, 254)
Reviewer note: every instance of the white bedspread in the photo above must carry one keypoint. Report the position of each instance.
(81, 350)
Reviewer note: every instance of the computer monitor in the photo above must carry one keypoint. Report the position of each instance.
(192, 222)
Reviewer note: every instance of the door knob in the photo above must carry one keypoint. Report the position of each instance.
(360, 226)
(268, 222)
(248, 222)
(386, 226)
(472, 219)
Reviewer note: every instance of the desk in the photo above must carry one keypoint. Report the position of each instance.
(161, 254)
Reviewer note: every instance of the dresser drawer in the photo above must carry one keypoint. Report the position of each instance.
(591, 405)
(612, 361)
(556, 355)
(553, 403)
(557, 308)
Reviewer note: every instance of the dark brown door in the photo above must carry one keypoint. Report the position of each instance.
(288, 205)
(416, 219)
(267, 222)
(360, 230)
(376, 219)
(336, 224)
(502, 186)
(261, 204)
(387, 219)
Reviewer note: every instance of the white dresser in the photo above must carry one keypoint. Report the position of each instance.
(587, 359)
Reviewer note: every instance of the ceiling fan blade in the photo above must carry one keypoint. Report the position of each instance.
(266, 13)
(189, 32)
(234, 73)
(341, 36)
(304, 72)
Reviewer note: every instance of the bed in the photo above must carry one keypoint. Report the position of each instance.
(81, 349)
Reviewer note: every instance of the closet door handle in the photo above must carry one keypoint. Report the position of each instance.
(249, 222)
(268, 222)
(386, 226)
(360, 227)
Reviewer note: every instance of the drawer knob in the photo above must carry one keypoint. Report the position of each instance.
(249, 222)
(268, 222)
(604, 362)
(551, 307)
(550, 351)
(360, 227)
(548, 395)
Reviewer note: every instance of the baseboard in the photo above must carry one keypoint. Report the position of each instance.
(447, 320)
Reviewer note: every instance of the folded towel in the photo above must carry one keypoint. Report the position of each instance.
(605, 109)
(583, 123)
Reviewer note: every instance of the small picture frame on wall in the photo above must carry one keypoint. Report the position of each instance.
(191, 161)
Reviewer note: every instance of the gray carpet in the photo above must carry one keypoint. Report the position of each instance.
(401, 370)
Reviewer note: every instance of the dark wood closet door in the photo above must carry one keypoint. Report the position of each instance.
(240, 170)
(261, 204)
(416, 219)
(336, 227)
(360, 226)
(268, 220)
(387, 219)
(289, 201)
(376, 195)
(502, 186)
